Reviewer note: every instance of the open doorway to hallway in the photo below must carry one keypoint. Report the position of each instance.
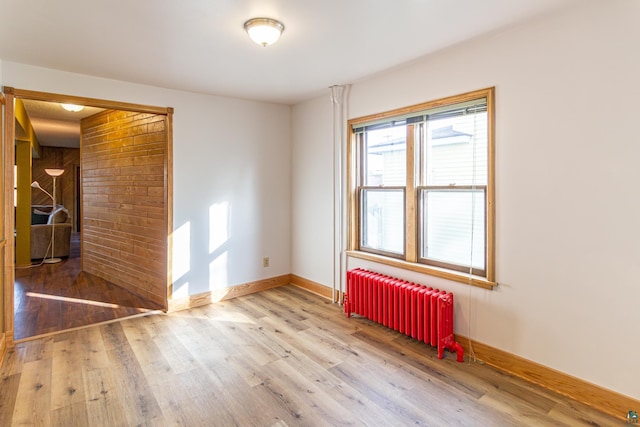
(117, 232)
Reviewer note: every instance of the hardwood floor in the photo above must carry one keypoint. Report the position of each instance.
(282, 357)
(54, 297)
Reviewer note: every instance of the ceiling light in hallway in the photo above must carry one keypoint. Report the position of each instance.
(72, 107)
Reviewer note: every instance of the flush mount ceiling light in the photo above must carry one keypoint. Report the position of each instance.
(72, 107)
(264, 31)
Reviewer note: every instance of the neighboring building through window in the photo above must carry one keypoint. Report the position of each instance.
(422, 187)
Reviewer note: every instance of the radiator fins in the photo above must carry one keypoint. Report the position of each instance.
(417, 311)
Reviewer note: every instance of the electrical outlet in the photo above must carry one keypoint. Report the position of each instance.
(265, 261)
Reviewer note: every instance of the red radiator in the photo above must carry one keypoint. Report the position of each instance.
(423, 313)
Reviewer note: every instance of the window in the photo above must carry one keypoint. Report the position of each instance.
(422, 187)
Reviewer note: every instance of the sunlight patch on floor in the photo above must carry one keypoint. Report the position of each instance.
(73, 300)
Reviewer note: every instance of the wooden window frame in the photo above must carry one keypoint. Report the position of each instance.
(411, 259)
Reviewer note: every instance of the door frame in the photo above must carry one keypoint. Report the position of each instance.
(9, 219)
(7, 238)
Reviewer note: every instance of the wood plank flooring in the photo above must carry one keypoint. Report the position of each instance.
(282, 357)
(54, 297)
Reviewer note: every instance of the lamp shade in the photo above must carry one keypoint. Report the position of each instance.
(264, 31)
(54, 172)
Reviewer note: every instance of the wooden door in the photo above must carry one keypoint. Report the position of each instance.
(124, 175)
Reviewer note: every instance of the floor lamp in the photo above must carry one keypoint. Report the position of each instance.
(53, 173)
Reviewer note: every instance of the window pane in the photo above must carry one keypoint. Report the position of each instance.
(456, 150)
(383, 220)
(454, 227)
(385, 151)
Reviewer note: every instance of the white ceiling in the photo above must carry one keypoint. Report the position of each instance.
(200, 45)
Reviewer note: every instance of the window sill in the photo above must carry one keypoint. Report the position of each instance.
(480, 282)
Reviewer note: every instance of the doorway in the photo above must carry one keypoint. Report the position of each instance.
(97, 283)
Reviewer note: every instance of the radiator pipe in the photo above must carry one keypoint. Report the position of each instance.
(338, 119)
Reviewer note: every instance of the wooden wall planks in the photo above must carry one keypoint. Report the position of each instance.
(124, 159)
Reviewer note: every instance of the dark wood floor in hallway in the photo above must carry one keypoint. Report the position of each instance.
(281, 357)
(54, 297)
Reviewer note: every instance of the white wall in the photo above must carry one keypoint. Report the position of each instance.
(567, 150)
(230, 153)
(312, 190)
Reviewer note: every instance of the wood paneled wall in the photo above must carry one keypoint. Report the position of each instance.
(124, 200)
